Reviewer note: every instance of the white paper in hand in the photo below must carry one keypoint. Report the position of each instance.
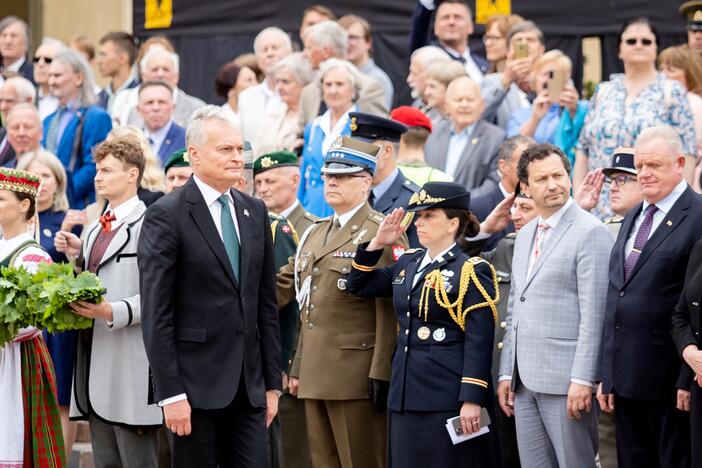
(457, 439)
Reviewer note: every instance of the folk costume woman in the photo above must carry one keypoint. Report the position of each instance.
(444, 301)
(30, 427)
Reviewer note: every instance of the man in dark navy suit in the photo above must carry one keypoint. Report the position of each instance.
(391, 189)
(156, 108)
(507, 159)
(14, 46)
(642, 376)
(209, 315)
(453, 24)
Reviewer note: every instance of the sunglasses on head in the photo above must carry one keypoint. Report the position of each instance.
(644, 41)
(47, 60)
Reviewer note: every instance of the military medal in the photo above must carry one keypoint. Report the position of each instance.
(439, 334)
(341, 284)
(47, 232)
(423, 333)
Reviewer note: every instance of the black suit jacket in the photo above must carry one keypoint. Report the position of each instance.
(7, 153)
(687, 320)
(202, 330)
(639, 358)
(27, 70)
(482, 206)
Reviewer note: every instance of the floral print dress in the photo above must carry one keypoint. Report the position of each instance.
(611, 123)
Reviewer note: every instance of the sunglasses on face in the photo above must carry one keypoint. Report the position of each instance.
(47, 60)
(644, 41)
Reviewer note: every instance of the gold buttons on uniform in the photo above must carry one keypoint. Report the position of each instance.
(503, 324)
(310, 325)
(406, 348)
(315, 270)
(407, 332)
(408, 314)
(500, 345)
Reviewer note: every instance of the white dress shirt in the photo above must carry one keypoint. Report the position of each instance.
(122, 210)
(346, 217)
(157, 137)
(211, 196)
(472, 69)
(427, 260)
(331, 134)
(286, 212)
(664, 206)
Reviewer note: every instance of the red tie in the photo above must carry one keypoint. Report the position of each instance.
(106, 221)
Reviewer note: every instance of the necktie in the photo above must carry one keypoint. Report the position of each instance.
(53, 131)
(229, 235)
(336, 225)
(640, 240)
(540, 233)
(371, 198)
(106, 221)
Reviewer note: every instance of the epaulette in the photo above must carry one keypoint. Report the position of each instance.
(310, 216)
(275, 216)
(326, 218)
(511, 235)
(414, 250)
(614, 220)
(377, 217)
(411, 185)
(477, 260)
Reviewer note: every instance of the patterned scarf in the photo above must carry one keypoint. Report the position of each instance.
(43, 437)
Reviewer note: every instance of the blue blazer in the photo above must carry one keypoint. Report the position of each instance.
(79, 187)
(639, 359)
(436, 365)
(482, 206)
(175, 140)
(420, 36)
(311, 191)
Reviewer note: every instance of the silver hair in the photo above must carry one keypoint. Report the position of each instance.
(195, 133)
(351, 72)
(664, 133)
(298, 66)
(77, 63)
(274, 30)
(9, 21)
(429, 54)
(24, 89)
(46, 40)
(24, 105)
(155, 50)
(329, 34)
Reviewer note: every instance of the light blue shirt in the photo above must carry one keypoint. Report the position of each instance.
(457, 144)
(664, 206)
(156, 138)
(380, 189)
(545, 131)
(66, 117)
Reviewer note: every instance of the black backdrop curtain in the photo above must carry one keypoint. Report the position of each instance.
(208, 33)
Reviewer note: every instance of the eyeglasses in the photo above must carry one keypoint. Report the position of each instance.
(487, 38)
(644, 41)
(47, 60)
(341, 176)
(620, 180)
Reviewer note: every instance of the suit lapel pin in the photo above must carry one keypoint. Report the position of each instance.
(474, 141)
(669, 223)
(246, 213)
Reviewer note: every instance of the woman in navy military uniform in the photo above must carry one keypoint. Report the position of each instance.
(445, 305)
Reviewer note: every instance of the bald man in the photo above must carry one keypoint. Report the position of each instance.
(464, 146)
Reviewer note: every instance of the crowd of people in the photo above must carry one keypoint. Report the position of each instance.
(304, 276)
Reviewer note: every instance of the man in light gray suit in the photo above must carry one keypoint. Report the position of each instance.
(464, 146)
(555, 318)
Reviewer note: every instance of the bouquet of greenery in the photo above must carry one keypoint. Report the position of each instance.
(41, 300)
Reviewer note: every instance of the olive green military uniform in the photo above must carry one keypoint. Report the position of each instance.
(344, 341)
(301, 219)
(289, 444)
(501, 259)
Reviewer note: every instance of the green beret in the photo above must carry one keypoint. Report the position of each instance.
(273, 160)
(177, 159)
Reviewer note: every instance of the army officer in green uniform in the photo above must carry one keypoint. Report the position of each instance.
(444, 302)
(341, 367)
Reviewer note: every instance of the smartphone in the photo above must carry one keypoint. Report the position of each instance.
(484, 421)
(521, 50)
(555, 85)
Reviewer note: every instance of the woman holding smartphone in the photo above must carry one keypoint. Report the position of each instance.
(444, 301)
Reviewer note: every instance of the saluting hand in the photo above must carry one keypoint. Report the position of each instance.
(499, 217)
(390, 230)
(588, 192)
